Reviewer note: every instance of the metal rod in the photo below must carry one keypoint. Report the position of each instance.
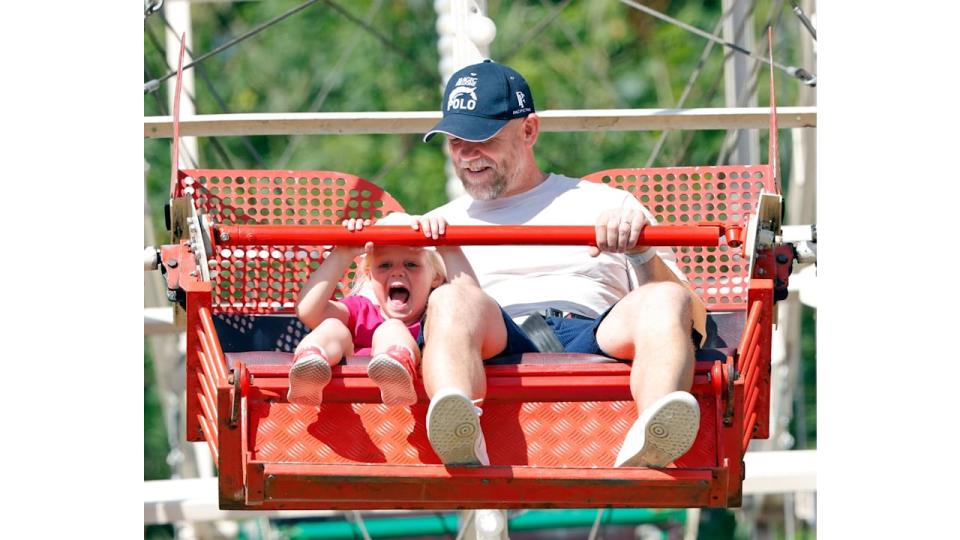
(205, 354)
(154, 84)
(750, 381)
(207, 385)
(466, 235)
(800, 73)
(216, 353)
(803, 19)
(751, 331)
(748, 430)
(209, 410)
(209, 434)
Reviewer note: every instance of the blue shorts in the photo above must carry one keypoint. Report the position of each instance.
(576, 334)
(517, 340)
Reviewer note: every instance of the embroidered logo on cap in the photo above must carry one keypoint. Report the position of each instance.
(464, 95)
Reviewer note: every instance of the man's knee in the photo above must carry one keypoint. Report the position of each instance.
(465, 313)
(665, 297)
(450, 300)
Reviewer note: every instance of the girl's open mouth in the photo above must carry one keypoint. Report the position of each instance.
(398, 295)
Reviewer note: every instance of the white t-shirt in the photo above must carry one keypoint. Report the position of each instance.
(526, 279)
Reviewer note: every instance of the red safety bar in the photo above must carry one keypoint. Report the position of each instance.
(464, 235)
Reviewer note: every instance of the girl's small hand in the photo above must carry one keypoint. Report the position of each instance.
(356, 224)
(432, 225)
(353, 225)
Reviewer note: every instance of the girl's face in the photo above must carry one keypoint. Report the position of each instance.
(402, 279)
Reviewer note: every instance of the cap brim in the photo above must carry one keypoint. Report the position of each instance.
(467, 127)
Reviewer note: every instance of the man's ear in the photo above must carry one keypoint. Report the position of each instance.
(531, 129)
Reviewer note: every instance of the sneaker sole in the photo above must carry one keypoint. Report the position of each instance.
(395, 382)
(454, 446)
(669, 433)
(308, 377)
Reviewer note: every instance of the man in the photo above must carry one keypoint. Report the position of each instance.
(617, 299)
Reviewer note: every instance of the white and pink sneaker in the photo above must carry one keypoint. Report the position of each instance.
(308, 376)
(394, 371)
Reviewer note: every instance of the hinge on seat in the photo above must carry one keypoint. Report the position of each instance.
(235, 379)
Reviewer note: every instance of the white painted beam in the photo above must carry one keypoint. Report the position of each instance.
(159, 320)
(786, 471)
(195, 499)
(357, 123)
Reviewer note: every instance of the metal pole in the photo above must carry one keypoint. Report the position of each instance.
(738, 28)
(476, 235)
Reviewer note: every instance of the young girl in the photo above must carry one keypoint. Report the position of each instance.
(400, 278)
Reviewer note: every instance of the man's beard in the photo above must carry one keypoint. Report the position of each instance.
(481, 191)
(485, 192)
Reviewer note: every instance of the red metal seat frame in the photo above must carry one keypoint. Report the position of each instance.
(230, 403)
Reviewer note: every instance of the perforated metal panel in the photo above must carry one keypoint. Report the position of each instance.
(692, 195)
(266, 279)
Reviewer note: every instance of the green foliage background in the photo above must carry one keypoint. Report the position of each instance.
(592, 55)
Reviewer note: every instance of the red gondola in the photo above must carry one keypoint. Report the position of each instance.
(244, 240)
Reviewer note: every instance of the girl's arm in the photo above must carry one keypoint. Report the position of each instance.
(458, 267)
(456, 263)
(314, 304)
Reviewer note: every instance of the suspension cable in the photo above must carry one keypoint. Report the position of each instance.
(730, 138)
(806, 77)
(536, 30)
(220, 150)
(694, 75)
(380, 37)
(154, 84)
(150, 7)
(220, 102)
(327, 87)
(803, 18)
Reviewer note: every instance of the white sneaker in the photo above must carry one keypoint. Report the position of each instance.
(664, 432)
(308, 376)
(453, 428)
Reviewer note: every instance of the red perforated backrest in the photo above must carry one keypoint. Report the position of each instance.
(266, 279)
(691, 195)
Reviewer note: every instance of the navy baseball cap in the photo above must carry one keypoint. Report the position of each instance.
(480, 99)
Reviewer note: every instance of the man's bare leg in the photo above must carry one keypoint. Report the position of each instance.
(652, 325)
(464, 326)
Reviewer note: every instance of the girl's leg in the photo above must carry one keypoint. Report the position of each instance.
(325, 346)
(394, 364)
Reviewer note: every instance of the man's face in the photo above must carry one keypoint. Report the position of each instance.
(487, 169)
